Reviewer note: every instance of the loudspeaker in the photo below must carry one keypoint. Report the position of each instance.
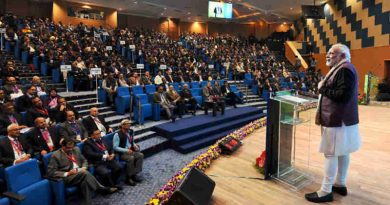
(195, 189)
(313, 11)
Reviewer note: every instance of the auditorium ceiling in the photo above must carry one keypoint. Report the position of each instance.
(272, 11)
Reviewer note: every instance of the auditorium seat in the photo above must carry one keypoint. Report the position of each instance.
(197, 94)
(248, 79)
(44, 69)
(36, 62)
(4, 201)
(236, 91)
(137, 89)
(203, 84)
(25, 57)
(122, 100)
(55, 72)
(176, 86)
(60, 192)
(25, 179)
(195, 84)
(142, 108)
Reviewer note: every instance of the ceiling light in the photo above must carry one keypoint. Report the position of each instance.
(165, 8)
(291, 8)
(136, 2)
(188, 13)
(162, 14)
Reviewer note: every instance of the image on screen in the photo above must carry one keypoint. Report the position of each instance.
(220, 10)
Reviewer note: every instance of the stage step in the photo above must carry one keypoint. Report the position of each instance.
(209, 140)
(153, 145)
(182, 127)
(204, 133)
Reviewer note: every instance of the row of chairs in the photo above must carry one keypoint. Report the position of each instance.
(27, 185)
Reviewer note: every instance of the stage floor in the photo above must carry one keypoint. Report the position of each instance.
(368, 178)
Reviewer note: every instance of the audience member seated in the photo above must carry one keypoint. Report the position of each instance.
(73, 128)
(102, 158)
(8, 116)
(231, 97)
(135, 80)
(122, 81)
(71, 166)
(43, 139)
(168, 76)
(158, 78)
(60, 110)
(162, 99)
(212, 99)
(24, 102)
(95, 122)
(3, 97)
(146, 78)
(81, 75)
(41, 87)
(12, 149)
(123, 143)
(176, 100)
(110, 85)
(12, 89)
(37, 110)
(10, 71)
(187, 98)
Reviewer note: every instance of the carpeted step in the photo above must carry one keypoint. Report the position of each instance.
(100, 109)
(88, 106)
(153, 145)
(192, 146)
(82, 101)
(203, 121)
(144, 135)
(204, 133)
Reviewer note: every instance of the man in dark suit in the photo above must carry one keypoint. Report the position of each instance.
(43, 139)
(70, 165)
(168, 76)
(95, 122)
(9, 116)
(123, 144)
(3, 97)
(176, 100)
(102, 157)
(60, 110)
(37, 110)
(227, 93)
(12, 150)
(161, 98)
(212, 99)
(12, 89)
(73, 128)
(187, 97)
(24, 102)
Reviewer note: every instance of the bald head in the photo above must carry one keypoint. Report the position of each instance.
(40, 123)
(70, 116)
(13, 130)
(94, 112)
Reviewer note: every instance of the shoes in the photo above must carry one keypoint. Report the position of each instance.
(235, 106)
(118, 187)
(340, 190)
(180, 116)
(173, 119)
(193, 113)
(130, 182)
(136, 178)
(313, 197)
(107, 190)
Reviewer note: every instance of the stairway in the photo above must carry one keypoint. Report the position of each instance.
(250, 99)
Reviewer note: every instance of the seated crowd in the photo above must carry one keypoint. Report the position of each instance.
(35, 121)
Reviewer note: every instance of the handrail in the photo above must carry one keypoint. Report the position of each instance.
(291, 52)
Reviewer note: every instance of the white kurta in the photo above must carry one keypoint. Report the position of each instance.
(338, 141)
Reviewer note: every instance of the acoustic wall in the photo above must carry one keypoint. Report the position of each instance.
(356, 23)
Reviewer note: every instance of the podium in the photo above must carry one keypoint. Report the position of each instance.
(288, 139)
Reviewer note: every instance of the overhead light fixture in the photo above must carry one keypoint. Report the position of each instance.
(165, 8)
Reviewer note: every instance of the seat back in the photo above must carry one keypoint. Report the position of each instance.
(233, 88)
(203, 84)
(196, 91)
(195, 84)
(141, 97)
(108, 139)
(46, 159)
(137, 89)
(22, 175)
(176, 86)
(123, 91)
(150, 89)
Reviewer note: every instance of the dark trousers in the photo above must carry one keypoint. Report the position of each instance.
(180, 107)
(87, 183)
(108, 172)
(192, 102)
(214, 105)
(232, 98)
(134, 163)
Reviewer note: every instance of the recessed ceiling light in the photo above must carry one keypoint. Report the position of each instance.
(165, 8)
(188, 13)
(291, 8)
(136, 2)
(162, 14)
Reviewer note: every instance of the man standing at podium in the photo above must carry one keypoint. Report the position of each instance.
(337, 114)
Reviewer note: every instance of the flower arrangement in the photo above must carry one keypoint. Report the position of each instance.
(361, 99)
(202, 162)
